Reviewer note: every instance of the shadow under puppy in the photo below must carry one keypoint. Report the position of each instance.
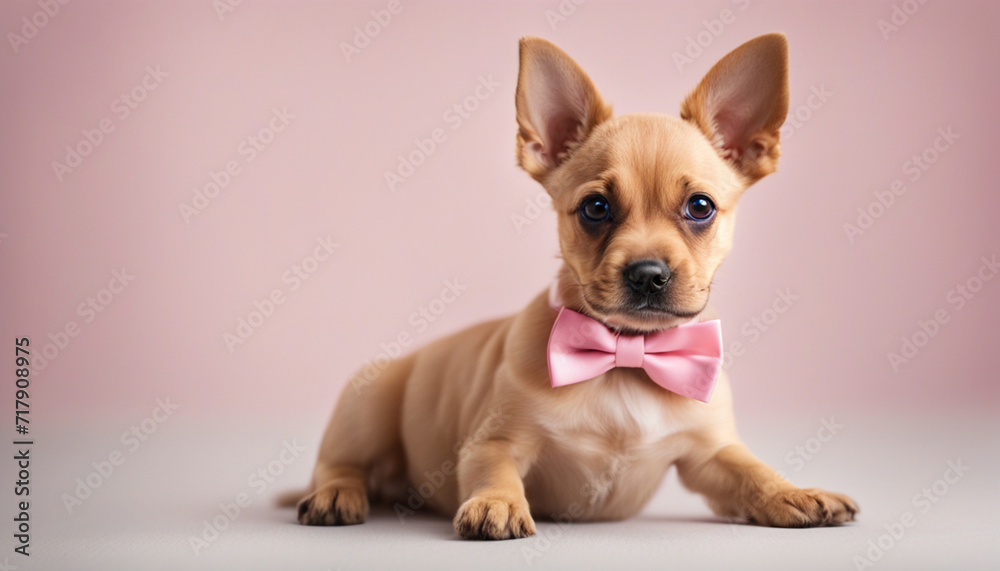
(581, 420)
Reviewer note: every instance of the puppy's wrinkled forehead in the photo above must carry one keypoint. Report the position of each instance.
(650, 159)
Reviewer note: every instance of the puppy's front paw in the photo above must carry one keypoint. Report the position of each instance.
(334, 505)
(795, 507)
(494, 517)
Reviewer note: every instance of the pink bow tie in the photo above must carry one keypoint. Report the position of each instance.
(685, 359)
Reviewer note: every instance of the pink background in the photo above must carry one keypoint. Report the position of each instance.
(323, 176)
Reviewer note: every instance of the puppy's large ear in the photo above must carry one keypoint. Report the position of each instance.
(742, 102)
(557, 107)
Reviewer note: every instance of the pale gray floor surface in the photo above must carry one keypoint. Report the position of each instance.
(144, 515)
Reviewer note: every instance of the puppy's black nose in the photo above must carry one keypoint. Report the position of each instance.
(647, 276)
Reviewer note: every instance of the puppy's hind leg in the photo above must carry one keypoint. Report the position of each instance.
(363, 436)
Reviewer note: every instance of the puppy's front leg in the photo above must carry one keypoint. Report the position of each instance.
(736, 483)
(489, 479)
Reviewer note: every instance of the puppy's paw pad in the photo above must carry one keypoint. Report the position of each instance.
(334, 506)
(494, 518)
(805, 508)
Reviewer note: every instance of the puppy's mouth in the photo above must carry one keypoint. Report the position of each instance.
(640, 316)
(653, 305)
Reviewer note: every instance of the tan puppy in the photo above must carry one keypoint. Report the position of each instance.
(646, 207)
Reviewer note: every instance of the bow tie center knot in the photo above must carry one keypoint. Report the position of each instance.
(630, 351)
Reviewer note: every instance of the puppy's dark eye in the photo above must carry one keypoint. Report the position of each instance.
(699, 207)
(595, 209)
